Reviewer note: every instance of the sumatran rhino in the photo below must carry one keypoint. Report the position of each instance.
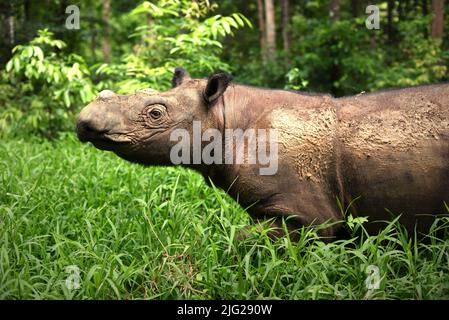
(385, 153)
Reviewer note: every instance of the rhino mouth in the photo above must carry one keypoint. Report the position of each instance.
(106, 142)
(103, 140)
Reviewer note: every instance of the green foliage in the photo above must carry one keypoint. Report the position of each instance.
(175, 33)
(54, 84)
(160, 233)
(51, 84)
(343, 57)
(346, 58)
(294, 80)
(416, 60)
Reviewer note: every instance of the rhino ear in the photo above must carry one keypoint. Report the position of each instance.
(216, 86)
(179, 76)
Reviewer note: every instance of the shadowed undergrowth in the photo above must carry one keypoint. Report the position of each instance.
(159, 233)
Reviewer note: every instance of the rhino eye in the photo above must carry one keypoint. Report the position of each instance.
(154, 113)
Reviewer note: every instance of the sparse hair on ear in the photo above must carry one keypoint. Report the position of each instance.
(216, 86)
(179, 76)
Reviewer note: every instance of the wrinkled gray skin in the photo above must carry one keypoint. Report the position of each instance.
(388, 149)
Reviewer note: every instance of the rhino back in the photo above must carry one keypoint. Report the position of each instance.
(393, 150)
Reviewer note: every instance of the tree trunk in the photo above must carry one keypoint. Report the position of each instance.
(11, 30)
(437, 19)
(355, 8)
(286, 31)
(270, 30)
(373, 41)
(7, 11)
(27, 10)
(390, 20)
(106, 45)
(262, 30)
(93, 43)
(402, 10)
(334, 11)
(335, 70)
(425, 10)
(6, 41)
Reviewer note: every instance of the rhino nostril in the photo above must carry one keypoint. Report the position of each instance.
(88, 130)
(89, 126)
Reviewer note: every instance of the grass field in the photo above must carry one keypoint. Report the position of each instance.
(160, 233)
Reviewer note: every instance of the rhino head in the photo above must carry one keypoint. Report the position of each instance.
(137, 127)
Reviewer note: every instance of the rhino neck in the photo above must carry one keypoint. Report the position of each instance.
(245, 106)
(242, 107)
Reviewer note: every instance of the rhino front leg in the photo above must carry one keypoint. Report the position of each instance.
(290, 219)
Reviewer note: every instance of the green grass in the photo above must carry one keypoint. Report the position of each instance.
(161, 233)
